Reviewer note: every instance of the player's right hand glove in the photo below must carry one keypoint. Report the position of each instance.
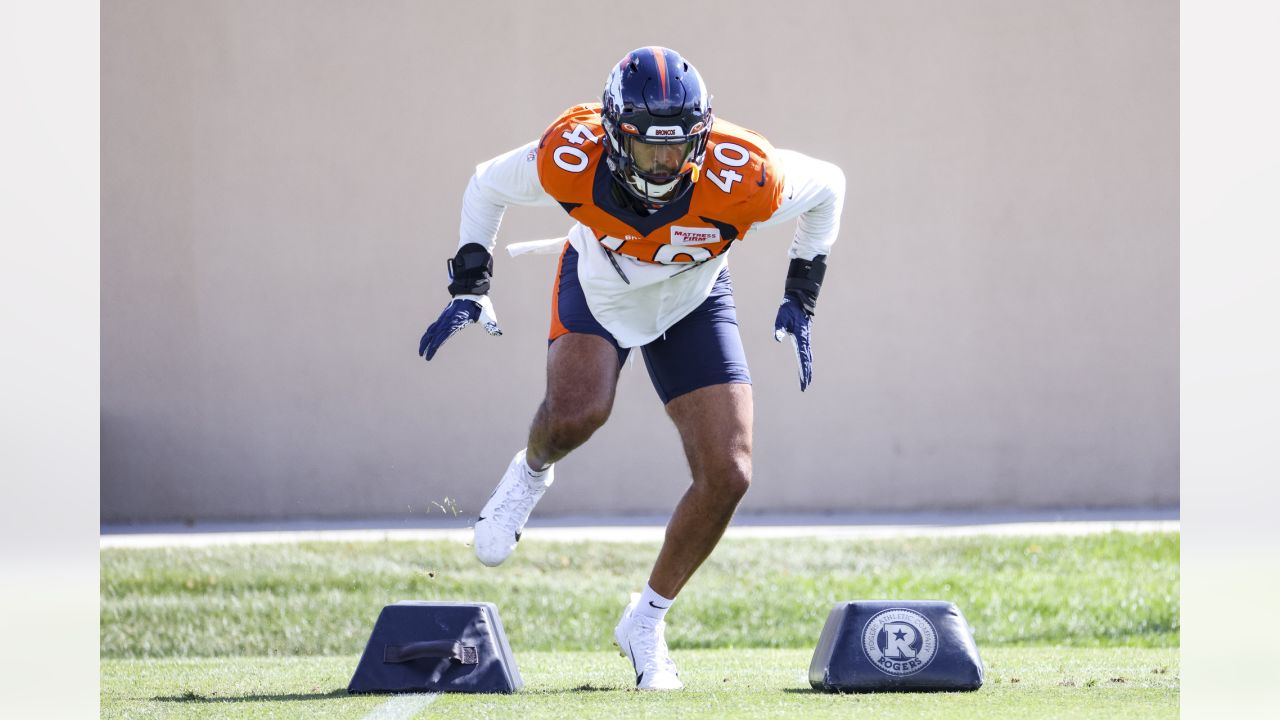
(469, 274)
(461, 312)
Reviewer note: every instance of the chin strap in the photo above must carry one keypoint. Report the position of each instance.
(804, 280)
(470, 270)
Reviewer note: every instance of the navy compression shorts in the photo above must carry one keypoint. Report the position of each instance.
(703, 348)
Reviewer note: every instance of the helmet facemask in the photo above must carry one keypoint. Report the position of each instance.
(655, 169)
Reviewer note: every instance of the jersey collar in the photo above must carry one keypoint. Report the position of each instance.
(602, 196)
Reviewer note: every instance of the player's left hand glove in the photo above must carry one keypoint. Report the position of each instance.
(794, 322)
(795, 315)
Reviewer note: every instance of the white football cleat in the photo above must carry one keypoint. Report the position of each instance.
(502, 519)
(641, 640)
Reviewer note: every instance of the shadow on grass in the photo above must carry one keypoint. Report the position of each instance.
(884, 691)
(588, 688)
(195, 697)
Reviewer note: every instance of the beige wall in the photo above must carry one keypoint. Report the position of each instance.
(280, 187)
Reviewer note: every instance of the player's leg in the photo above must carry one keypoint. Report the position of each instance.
(715, 427)
(699, 370)
(582, 378)
(583, 361)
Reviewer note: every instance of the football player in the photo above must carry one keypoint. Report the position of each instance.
(660, 190)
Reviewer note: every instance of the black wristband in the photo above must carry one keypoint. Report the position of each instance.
(470, 270)
(804, 280)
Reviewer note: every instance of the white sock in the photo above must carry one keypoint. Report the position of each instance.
(652, 604)
(535, 477)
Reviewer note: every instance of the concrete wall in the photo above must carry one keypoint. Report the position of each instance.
(280, 188)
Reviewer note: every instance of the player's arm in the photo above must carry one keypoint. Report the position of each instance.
(509, 179)
(813, 194)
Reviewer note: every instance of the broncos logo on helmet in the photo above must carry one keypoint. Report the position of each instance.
(657, 117)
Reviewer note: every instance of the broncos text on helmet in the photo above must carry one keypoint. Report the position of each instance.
(656, 114)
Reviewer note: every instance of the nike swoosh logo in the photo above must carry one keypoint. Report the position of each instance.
(517, 536)
(657, 607)
(479, 518)
(631, 656)
(764, 173)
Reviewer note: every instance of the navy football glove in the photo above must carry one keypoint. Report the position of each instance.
(461, 312)
(795, 323)
(469, 274)
(795, 316)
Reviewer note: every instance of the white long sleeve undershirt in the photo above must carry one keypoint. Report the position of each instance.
(813, 194)
(509, 179)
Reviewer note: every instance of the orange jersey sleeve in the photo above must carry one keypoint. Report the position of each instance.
(739, 184)
(570, 152)
(742, 170)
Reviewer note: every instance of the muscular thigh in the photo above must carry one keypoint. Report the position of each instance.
(715, 427)
(582, 373)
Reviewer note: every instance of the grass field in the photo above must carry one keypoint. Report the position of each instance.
(1067, 626)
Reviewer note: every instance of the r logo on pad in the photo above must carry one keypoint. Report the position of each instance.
(899, 641)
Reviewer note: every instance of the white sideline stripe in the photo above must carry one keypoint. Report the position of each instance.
(637, 533)
(401, 707)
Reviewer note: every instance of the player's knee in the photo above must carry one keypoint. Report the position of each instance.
(730, 475)
(570, 426)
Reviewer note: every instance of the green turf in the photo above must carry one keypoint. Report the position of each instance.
(1022, 682)
(1113, 590)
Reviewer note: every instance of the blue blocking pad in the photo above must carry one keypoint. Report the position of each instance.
(437, 647)
(896, 645)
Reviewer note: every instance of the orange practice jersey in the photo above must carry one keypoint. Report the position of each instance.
(739, 185)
